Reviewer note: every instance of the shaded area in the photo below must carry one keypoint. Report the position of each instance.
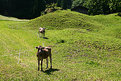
(80, 9)
(22, 8)
(49, 71)
(45, 38)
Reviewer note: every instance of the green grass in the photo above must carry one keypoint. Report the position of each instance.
(11, 18)
(84, 48)
(111, 23)
(64, 19)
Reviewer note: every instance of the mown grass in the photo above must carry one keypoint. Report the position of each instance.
(87, 52)
(111, 25)
(64, 19)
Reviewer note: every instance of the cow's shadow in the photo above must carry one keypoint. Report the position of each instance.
(49, 71)
(45, 38)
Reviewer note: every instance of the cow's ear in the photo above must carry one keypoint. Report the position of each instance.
(36, 47)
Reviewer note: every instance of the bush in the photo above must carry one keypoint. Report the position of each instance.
(119, 14)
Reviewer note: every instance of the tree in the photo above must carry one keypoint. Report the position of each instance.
(4, 7)
(66, 4)
(98, 7)
(59, 3)
(24, 8)
(115, 5)
(78, 3)
(38, 6)
(50, 1)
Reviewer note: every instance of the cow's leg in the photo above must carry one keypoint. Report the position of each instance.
(38, 64)
(47, 63)
(43, 34)
(50, 62)
(41, 64)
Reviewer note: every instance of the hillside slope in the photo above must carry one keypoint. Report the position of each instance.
(111, 25)
(78, 54)
(11, 18)
(64, 19)
(105, 24)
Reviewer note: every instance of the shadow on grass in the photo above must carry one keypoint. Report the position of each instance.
(45, 38)
(49, 71)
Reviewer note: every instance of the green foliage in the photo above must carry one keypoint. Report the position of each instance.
(53, 5)
(119, 14)
(22, 8)
(78, 3)
(115, 5)
(59, 3)
(99, 6)
(65, 4)
(50, 1)
(51, 8)
(39, 6)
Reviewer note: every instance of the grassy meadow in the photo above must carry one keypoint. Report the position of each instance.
(84, 48)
